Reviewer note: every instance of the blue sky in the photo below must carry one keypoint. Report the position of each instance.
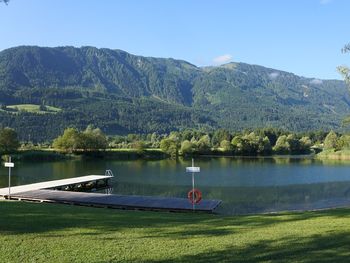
(301, 36)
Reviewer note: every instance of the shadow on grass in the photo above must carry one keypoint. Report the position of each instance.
(325, 248)
(19, 218)
(48, 219)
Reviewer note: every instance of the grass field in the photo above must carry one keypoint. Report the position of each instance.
(59, 233)
(31, 108)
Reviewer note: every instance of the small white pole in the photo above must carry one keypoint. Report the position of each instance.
(9, 164)
(193, 205)
(193, 170)
(10, 179)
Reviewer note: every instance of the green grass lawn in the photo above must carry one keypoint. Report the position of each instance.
(31, 108)
(60, 233)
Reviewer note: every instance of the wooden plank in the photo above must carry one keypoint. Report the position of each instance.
(53, 184)
(117, 201)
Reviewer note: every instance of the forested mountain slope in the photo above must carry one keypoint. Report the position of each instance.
(124, 93)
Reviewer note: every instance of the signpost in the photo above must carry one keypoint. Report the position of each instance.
(193, 170)
(10, 165)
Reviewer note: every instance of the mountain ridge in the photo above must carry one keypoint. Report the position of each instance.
(162, 94)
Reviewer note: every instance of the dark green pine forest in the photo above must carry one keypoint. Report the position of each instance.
(122, 93)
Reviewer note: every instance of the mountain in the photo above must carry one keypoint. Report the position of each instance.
(123, 93)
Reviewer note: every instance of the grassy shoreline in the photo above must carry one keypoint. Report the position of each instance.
(60, 233)
(334, 155)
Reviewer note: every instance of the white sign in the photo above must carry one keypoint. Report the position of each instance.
(193, 169)
(9, 165)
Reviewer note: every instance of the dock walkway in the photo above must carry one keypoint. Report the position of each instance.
(56, 192)
(53, 184)
(116, 201)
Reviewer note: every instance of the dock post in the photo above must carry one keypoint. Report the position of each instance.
(9, 179)
(193, 204)
(9, 164)
(192, 170)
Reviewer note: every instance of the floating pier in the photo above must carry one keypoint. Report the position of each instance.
(63, 184)
(134, 202)
(64, 191)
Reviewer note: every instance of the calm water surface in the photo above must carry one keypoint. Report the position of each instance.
(245, 185)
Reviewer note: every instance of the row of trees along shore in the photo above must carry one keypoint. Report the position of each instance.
(188, 142)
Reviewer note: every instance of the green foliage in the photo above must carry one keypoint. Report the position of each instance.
(203, 144)
(330, 141)
(8, 140)
(251, 144)
(69, 141)
(139, 146)
(282, 145)
(170, 146)
(305, 144)
(220, 135)
(343, 143)
(92, 139)
(344, 70)
(188, 148)
(73, 140)
(226, 146)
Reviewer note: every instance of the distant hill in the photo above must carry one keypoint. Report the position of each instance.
(124, 93)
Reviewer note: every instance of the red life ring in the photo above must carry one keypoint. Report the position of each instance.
(194, 196)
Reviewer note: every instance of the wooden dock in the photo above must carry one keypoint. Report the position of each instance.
(55, 184)
(68, 191)
(134, 202)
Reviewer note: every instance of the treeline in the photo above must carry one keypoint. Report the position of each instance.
(189, 142)
(222, 142)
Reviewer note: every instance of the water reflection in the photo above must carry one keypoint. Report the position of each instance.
(245, 185)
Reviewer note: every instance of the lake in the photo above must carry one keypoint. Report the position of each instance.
(245, 185)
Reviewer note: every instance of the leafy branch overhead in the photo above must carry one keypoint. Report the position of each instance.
(344, 70)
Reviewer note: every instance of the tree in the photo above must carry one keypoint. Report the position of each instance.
(170, 146)
(237, 144)
(8, 140)
(282, 145)
(42, 107)
(69, 141)
(251, 144)
(294, 144)
(226, 146)
(93, 139)
(220, 135)
(203, 144)
(72, 140)
(343, 142)
(139, 146)
(330, 141)
(344, 70)
(187, 147)
(305, 144)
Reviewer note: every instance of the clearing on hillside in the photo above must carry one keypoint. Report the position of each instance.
(34, 108)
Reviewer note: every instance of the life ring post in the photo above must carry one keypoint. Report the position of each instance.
(193, 170)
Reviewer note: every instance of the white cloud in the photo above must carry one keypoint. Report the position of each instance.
(325, 2)
(222, 59)
(316, 81)
(274, 75)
